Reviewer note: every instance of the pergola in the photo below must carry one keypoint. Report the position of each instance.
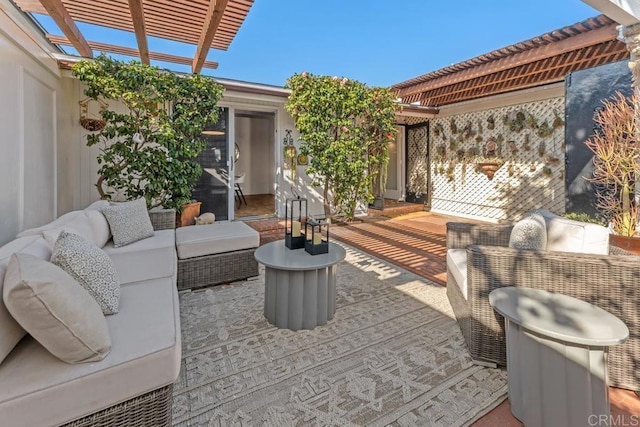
(204, 23)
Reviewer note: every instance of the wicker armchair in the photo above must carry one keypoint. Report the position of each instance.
(611, 282)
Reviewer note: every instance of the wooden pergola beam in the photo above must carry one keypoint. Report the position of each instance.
(211, 24)
(580, 41)
(137, 18)
(61, 17)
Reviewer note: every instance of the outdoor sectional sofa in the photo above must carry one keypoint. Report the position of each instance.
(480, 260)
(132, 385)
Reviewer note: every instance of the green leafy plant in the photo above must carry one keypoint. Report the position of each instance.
(616, 166)
(345, 128)
(148, 145)
(583, 217)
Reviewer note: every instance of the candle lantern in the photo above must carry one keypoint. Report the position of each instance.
(295, 211)
(317, 237)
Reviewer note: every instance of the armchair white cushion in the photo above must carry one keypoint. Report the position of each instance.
(566, 235)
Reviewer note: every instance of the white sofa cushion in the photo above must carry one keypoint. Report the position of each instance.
(11, 331)
(567, 235)
(55, 310)
(457, 263)
(149, 258)
(529, 233)
(38, 389)
(91, 267)
(129, 222)
(223, 236)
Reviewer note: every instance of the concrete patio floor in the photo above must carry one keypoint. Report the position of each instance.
(417, 242)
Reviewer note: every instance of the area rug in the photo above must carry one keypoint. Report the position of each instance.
(392, 355)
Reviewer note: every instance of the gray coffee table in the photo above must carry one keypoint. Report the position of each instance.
(556, 356)
(300, 289)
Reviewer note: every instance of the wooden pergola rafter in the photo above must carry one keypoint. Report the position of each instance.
(204, 23)
(128, 51)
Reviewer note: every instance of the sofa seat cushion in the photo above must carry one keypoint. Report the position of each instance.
(457, 265)
(37, 389)
(220, 237)
(150, 258)
(566, 235)
(10, 331)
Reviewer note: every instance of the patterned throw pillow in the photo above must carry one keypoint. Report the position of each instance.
(529, 233)
(55, 310)
(129, 222)
(91, 267)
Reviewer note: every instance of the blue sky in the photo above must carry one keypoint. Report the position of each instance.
(379, 42)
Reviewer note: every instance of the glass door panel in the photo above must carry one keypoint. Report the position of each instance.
(213, 187)
(417, 163)
(393, 189)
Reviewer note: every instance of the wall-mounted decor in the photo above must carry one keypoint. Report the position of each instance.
(290, 152)
(303, 160)
(516, 156)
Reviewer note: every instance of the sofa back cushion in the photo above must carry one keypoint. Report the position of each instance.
(89, 223)
(567, 235)
(55, 310)
(10, 331)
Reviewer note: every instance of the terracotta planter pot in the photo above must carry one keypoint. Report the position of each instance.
(188, 214)
(629, 244)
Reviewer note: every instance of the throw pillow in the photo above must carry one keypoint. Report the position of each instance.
(529, 233)
(91, 267)
(129, 222)
(55, 310)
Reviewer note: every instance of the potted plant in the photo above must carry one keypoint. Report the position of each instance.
(616, 167)
(153, 129)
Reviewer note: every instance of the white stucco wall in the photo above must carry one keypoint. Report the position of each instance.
(35, 126)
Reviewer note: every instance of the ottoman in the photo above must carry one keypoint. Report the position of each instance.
(221, 252)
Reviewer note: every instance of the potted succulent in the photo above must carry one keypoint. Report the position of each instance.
(152, 132)
(616, 166)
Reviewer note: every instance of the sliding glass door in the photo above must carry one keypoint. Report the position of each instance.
(213, 188)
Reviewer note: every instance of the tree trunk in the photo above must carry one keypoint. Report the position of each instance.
(325, 195)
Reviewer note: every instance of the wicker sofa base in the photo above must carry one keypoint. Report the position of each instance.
(149, 409)
(217, 268)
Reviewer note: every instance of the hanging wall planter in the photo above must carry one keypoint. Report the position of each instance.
(90, 123)
(489, 168)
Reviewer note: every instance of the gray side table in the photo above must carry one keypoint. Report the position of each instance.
(300, 289)
(556, 356)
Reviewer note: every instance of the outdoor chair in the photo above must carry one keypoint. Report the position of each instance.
(610, 281)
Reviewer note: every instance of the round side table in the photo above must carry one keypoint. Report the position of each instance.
(556, 356)
(300, 289)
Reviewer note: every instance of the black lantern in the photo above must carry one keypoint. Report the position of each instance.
(317, 237)
(295, 211)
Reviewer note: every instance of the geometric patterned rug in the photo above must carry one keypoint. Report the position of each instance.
(392, 355)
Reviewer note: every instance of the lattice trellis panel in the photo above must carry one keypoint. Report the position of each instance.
(528, 139)
(417, 161)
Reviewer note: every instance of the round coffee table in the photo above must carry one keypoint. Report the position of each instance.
(300, 289)
(556, 356)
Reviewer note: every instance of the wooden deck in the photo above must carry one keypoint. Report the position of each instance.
(417, 242)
